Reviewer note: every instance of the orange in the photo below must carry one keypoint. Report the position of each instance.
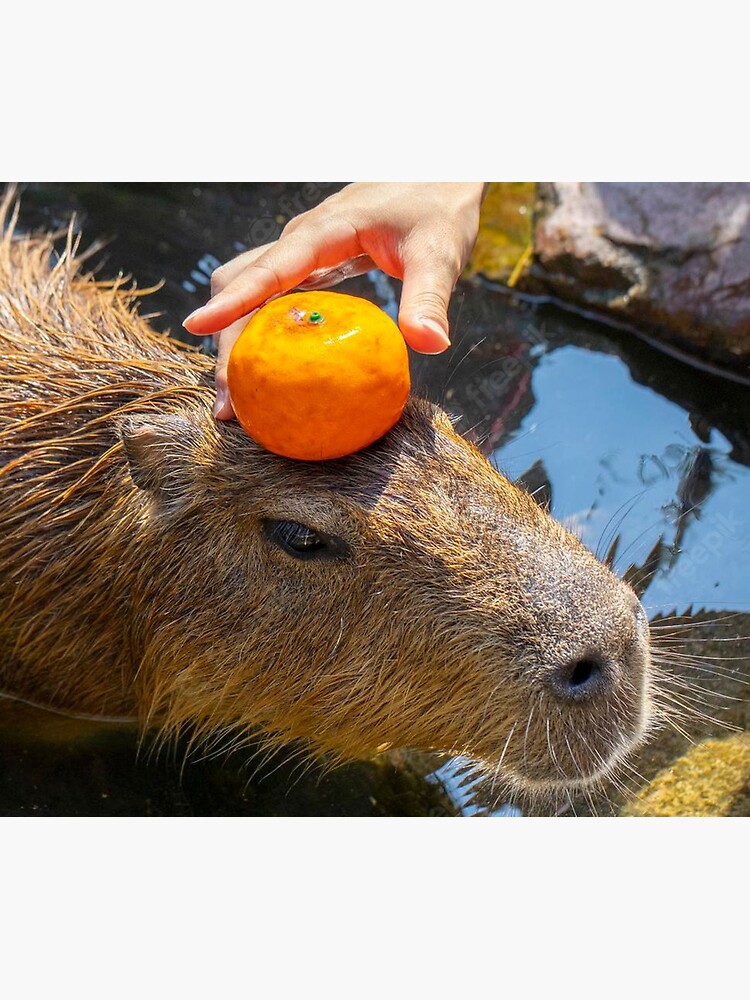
(318, 375)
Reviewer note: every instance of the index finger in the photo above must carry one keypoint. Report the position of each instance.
(286, 264)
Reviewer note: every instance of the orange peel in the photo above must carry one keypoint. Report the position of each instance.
(318, 375)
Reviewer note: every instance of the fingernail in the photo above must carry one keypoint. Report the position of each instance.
(430, 324)
(221, 399)
(188, 318)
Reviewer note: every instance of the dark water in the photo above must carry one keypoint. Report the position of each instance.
(647, 458)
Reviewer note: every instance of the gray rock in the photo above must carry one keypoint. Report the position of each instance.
(671, 259)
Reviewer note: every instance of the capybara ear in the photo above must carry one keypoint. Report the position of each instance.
(158, 449)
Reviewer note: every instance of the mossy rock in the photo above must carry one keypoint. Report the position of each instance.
(505, 241)
(712, 779)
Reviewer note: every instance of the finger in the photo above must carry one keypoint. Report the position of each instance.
(429, 281)
(221, 277)
(223, 409)
(287, 263)
(328, 276)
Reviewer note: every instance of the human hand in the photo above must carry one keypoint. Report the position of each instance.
(421, 233)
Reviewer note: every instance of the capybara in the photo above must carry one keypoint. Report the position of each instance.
(155, 562)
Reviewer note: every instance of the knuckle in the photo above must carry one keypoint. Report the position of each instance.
(269, 268)
(309, 220)
(219, 279)
(445, 259)
(315, 223)
(294, 224)
(453, 260)
(438, 245)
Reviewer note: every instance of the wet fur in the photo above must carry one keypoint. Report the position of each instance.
(135, 577)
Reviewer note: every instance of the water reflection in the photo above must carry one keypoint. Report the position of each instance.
(53, 765)
(641, 462)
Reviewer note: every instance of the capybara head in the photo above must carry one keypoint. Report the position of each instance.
(407, 595)
(156, 561)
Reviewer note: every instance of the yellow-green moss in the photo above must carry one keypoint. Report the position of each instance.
(505, 231)
(712, 779)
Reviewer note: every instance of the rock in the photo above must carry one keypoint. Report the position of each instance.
(672, 259)
(505, 237)
(711, 779)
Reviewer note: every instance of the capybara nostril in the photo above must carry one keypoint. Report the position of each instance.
(580, 679)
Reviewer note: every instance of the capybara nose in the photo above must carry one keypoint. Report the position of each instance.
(580, 679)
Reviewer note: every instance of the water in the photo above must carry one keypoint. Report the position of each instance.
(645, 457)
(629, 443)
(618, 460)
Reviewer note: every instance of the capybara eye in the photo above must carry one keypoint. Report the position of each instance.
(302, 542)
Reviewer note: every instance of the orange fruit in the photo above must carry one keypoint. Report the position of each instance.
(318, 375)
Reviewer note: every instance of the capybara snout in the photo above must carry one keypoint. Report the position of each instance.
(158, 562)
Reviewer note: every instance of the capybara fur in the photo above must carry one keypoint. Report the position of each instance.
(157, 563)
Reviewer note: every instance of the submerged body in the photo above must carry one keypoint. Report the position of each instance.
(158, 563)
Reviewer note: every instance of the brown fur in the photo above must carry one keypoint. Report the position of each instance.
(135, 576)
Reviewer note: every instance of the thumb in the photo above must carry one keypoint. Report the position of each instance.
(423, 313)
